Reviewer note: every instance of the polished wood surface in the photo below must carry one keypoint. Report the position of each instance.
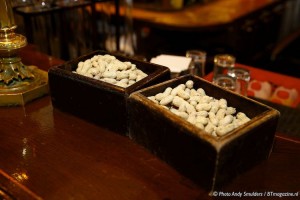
(213, 13)
(31, 55)
(49, 154)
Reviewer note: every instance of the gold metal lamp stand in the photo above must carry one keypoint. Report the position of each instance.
(19, 84)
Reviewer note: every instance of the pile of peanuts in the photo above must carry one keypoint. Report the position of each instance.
(207, 113)
(109, 69)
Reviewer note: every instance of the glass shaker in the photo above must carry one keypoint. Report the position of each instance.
(197, 65)
(222, 64)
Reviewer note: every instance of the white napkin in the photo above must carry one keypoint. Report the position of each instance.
(176, 64)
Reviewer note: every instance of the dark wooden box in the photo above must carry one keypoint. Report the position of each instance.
(209, 161)
(96, 101)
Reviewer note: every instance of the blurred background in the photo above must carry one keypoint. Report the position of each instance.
(260, 33)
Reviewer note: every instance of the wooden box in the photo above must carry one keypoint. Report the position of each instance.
(207, 160)
(96, 101)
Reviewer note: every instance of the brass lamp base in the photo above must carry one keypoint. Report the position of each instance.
(26, 90)
(19, 84)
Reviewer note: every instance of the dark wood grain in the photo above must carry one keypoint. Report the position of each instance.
(49, 154)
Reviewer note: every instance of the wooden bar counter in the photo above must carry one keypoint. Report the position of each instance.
(199, 15)
(48, 154)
